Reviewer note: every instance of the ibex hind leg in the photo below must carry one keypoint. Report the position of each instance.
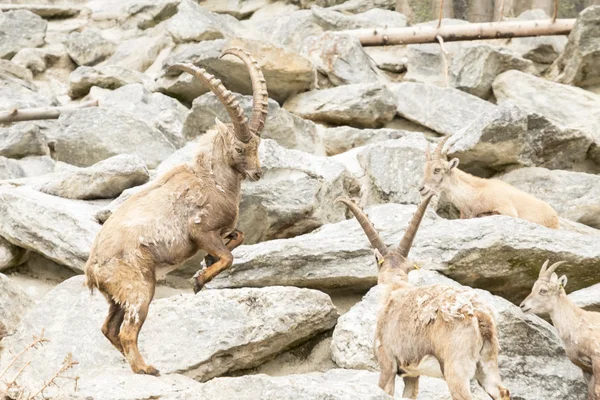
(457, 374)
(389, 370)
(112, 324)
(411, 387)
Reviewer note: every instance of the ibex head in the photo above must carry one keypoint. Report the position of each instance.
(240, 139)
(545, 291)
(393, 263)
(436, 168)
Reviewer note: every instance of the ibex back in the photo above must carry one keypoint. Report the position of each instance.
(190, 207)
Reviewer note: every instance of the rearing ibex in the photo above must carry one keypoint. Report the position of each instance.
(578, 329)
(477, 197)
(436, 330)
(191, 207)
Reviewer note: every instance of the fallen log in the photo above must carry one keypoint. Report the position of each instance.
(453, 33)
(31, 114)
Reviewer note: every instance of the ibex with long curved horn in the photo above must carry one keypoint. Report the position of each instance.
(191, 207)
(578, 329)
(421, 329)
(478, 197)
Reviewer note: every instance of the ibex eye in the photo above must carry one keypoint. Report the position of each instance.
(238, 150)
(543, 291)
(436, 171)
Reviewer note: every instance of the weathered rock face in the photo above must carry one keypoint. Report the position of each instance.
(21, 140)
(359, 105)
(33, 165)
(241, 9)
(587, 298)
(341, 59)
(87, 136)
(288, 130)
(127, 54)
(131, 13)
(343, 138)
(10, 169)
(17, 89)
(579, 64)
(288, 31)
(508, 137)
(11, 255)
(14, 303)
(103, 180)
(475, 252)
(448, 111)
(286, 72)
(258, 324)
(533, 368)
(89, 47)
(332, 20)
(157, 110)
(38, 60)
(573, 195)
(109, 77)
(20, 29)
(566, 105)
(474, 68)
(60, 229)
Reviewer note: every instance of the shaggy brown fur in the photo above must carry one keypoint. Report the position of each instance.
(578, 329)
(476, 197)
(191, 207)
(435, 330)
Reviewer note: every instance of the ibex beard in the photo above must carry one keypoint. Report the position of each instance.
(191, 207)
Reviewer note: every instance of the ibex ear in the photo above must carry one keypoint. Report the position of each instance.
(378, 257)
(453, 163)
(221, 126)
(562, 281)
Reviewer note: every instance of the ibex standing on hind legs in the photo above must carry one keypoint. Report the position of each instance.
(578, 329)
(478, 197)
(436, 330)
(191, 207)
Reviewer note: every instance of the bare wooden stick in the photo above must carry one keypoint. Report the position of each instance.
(30, 114)
(555, 14)
(451, 33)
(501, 11)
(445, 58)
(441, 13)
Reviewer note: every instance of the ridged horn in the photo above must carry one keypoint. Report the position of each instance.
(411, 231)
(235, 111)
(366, 225)
(260, 95)
(438, 153)
(546, 272)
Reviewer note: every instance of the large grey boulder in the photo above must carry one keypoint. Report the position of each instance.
(89, 135)
(10, 169)
(508, 137)
(128, 14)
(332, 20)
(89, 47)
(11, 255)
(38, 60)
(60, 229)
(201, 336)
(286, 72)
(23, 139)
(587, 298)
(193, 23)
(569, 106)
(341, 59)
(579, 64)
(368, 105)
(14, 303)
(240, 9)
(287, 129)
(574, 195)
(340, 139)
(474, 68)
(532, 361)
(109, 77)
(20, 29)
(500, 254)
(158, 110)
(288, 31)
(32, 165)
(449, 110)
(139, 53)
(17, 89)
(103, 180)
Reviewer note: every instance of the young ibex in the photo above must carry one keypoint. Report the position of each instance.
(191, 207)
(578, 329)
(436, 330)
(477, 197)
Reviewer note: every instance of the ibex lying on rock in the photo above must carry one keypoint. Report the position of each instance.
(191, 207)
(477, 197)
(578, 329)
(436, 330)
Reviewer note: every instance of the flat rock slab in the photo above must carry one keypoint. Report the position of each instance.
(587, 298)
(532, 363)
(60, 229)
(499, 254)
(201, 336)
(18, 29)
(14, 303)
(343, 138)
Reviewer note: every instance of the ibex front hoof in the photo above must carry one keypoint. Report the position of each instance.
(148, 370)
(198, 284)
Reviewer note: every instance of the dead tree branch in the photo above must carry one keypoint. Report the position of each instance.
(445, 59)
(441, 13)
(451, 33)
(37, 340)
(31, 114)
(67, 364)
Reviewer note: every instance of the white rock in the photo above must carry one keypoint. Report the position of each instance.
(89, 47)
(20, 29)
(109, 77)
(14, 303)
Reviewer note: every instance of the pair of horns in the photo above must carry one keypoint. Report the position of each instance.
(243, 129)
(439, 152)
(373, 236)
(546, 272)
